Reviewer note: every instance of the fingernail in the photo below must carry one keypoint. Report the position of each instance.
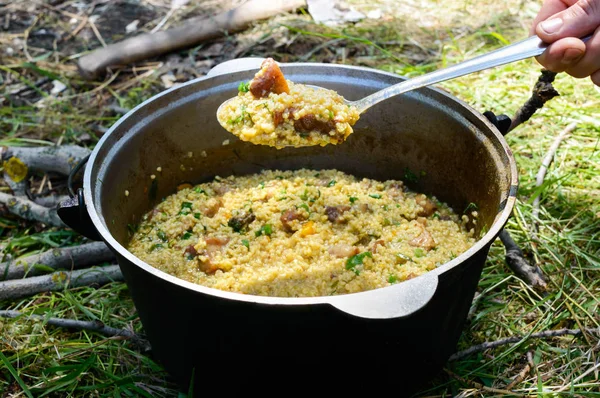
(571, 56)
(552, 25)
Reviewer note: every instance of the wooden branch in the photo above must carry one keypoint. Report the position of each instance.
(11, 290)
(191, 33)
(521, 376)
(541, 175)
(58, 159)
(480, 386)
(515, 259)
(68, 258)
(19, 189)
(515, 339)
(29, 210)
(51, 200)
(93, 326)
(542, 92)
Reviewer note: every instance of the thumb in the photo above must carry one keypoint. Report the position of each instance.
(578, 20)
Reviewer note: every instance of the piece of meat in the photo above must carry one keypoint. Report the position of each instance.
(211, 207)
(427, 206)
(207, 267)
(423, 240)
(396, 191)
(191, 250)
(288, 216)
(335, 213)
(269, 79)
(241, 221)
(214, 244)
(308, 123)
(222, 189)
(422, 221)
(363, 207)
(277, 118)
(343, 250)
(378, 242)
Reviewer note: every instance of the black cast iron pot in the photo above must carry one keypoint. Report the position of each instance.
(458, 155)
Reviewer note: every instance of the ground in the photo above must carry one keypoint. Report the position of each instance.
(39, 45)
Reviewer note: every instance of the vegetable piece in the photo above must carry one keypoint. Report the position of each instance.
(419, 252)
(246, 243)
(266, 229)
(375, 196)
(308, 229)
(393, 279)
(356, 260)
(402, 259)
(244, 87)
(162, 236)
(353, 199)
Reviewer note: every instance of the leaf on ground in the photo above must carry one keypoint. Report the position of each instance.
(16, 169)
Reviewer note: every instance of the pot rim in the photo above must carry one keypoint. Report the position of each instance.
(487, 239)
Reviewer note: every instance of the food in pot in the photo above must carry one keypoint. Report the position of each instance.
(271, 110)
(299, 233)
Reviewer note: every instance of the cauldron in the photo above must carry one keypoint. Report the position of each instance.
(201, 334)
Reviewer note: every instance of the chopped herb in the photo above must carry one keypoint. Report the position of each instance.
(410, 176)
(386, 222)
(156, 246)
(304, 196)
(304, 135)
(353, 199)
(279, 177)
(331, 183)
(246, 243)
(452, 256)
(355, 260)
(187, 235)
(266, 106)
(132, 228)
(330, 114)
(386, 207)
(197, 216)
(244, 87)
(200, 190)
(393, 279)
(305, 207)
(470, 206)
(282, 198)
(317, 174)
(266, 229)
(240, 118)
(375, 196)
(186, 205)
(262, 185)
(162, 236)
(419, 252)
(436, 215)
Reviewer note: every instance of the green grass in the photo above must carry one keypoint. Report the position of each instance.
(38, 359)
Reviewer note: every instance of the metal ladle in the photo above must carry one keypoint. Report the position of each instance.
(530, 47)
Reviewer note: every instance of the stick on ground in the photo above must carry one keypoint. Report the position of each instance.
(516, 261)
(58, 159)
(29, 210)
(11, 290)
(94, 326)
(542, 92)
(515, 339)
(60, 258)
(191, 33)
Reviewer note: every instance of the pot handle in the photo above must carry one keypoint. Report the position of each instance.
(396, 301)
(73, 211)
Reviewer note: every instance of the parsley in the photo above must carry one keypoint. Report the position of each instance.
(186, 205)
(187, 235)
(244, 87)
(262, 185)
(375, 196)
(304, 196)
(355, 260)
(393, 279)
(419, 252)
(305, 207)
(197, 216)
(246, 243)
(331, 183)
(436, 215)
(353, 199)
(266, 229)
(330, 114)
(470, 206)
(162, 236)
(200, 190)
(156, 246)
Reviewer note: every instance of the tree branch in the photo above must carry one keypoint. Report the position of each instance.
(93, 326)
(542, 92)
(516, 261)
(515, 339)
(66, 258)
(58, 159)
(11, 290)
(29, 210)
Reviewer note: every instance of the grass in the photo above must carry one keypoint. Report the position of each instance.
(38, 360)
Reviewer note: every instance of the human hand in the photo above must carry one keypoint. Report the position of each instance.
(561, 23)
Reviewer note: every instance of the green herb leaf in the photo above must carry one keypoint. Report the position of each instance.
(162, 236)
(244, 87)
(186, 205)
(330, 114)
(197, 216)
(246, 243)
(355, 260)
(402, 259)
(266, 229)
(353, 199)
(393, 279)
(419, 252)
(331, 183)
(200, 190)
(156, 246)
(186, 236)
(375, 196)
(304, 196)
(470, 206)
(305, 207)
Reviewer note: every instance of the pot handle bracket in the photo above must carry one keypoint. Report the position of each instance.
(73, 211)
(502, 122)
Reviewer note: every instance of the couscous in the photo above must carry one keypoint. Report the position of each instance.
(299, 233)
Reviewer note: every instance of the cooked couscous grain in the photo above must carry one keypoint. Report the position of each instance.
(299, 233)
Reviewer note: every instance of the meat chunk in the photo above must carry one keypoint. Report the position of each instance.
(241, 221)
(378, 242)
(423, 240)
(287, 218)
(190, 251)
(211, 207)
(335, 213)
(427, 206)
(396, 191)
(309, 123)
(269, 79)
(343, 250)
(214, 244)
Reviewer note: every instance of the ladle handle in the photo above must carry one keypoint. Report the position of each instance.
(530, 47)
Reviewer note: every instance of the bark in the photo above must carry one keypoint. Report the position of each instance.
(58, 159)
(29, 210)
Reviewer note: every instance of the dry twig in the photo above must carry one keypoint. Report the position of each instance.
(11, 290)
(60, 258)
(521, 376)
(542, 92)
(93, 326)
(29, 210)
(58, 159)
(515, 339)
(516, 261)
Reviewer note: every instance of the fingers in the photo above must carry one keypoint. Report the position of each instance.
(549, 8)
(563, 54)
(596, 78)
(578, 20)
(590, 62)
